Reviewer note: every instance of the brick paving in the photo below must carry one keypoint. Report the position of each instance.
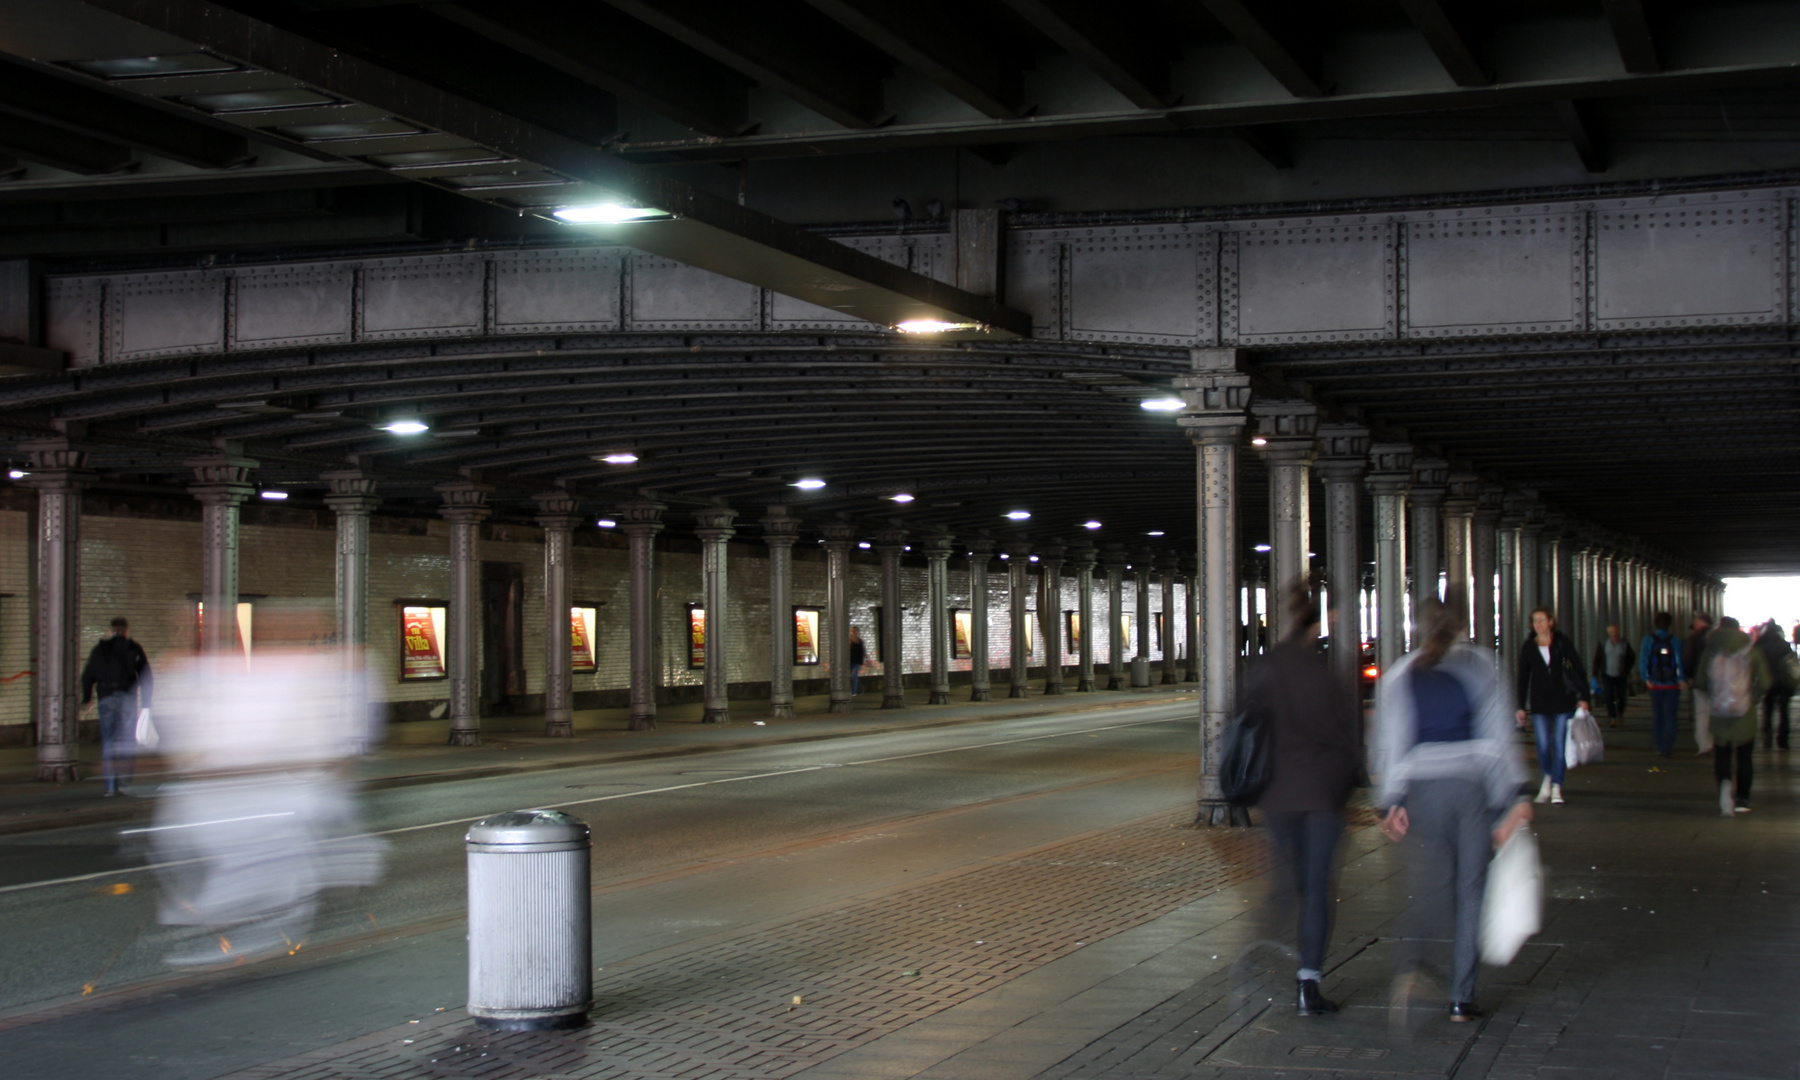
(779, 999)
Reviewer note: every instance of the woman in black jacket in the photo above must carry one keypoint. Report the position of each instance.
(1552, 685)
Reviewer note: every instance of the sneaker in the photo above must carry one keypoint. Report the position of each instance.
(1740, 808)
(1543, 794)
(1725, 803)
(1556, 794)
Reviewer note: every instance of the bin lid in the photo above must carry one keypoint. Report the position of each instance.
(527, 827)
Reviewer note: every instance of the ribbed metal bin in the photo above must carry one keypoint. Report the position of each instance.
(530, 947)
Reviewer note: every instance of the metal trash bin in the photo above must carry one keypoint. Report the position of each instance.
(530, 944)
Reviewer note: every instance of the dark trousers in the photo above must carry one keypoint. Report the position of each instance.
(1664, 704)
(1614, 686)
(1722, 756)
(1450, 840)
(1306, 842)
(118, 738)
(1776, 702)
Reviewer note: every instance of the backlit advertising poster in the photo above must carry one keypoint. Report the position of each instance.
(696, 636)
(806, 636)
(581, 639)
(1072, 631)
(421, 642)
(1125, 639)
(963, 629)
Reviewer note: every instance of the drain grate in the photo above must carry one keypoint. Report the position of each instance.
(1341, 1053)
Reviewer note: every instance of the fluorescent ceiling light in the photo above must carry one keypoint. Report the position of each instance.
(864, 544)
(903, 497)
(17, 474)
(808, 483)
(608, 213)
(1154, 532)
(933, 326)
(622, 458)
(271, 494)
(1262, 547)
(1259, 441)
(607, 523)
(1034, 558)
(1090, 524)
(405, 427)
(1018, 515)
(1004, 555)
(1162, 404)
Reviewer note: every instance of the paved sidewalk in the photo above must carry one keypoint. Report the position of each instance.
(1134, 953)
(417, 752)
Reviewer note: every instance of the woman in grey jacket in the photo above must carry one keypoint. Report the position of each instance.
(1450, 783)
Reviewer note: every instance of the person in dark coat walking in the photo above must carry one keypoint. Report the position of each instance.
(118, 668)
(1777, 654)
(858, 656)
(1552, 684)
(1315, 739)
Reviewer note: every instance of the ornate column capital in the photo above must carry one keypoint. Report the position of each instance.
(557, 511)
(890, 540)
(1052, 555)
(1343, 452)
(1114, 558)
(1462, 494)
(350, 491)
(1489, 503)
(1390, 468)
(780, 528)
(938, 544)
(1431, 479)
(1217, 406)
(1082, 556)
(221, 479)
(641, 517)
(981, 548)
(1286, 430)
(1019, 551)
(714, 524)
(465, 501)
(56, 465)
(839, 534)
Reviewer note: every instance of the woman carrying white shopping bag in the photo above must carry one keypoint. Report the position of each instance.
(1450, 788)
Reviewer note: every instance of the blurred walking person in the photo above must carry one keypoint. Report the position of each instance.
(1552, 684)
(1315, 737)
(119, 670)
(1690, 663)
(1778, 655)
(1451, 789)
(1613, 661)
(858, 656)
(1735, 676)
(1659, 665)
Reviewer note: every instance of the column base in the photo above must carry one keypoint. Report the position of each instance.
(1193, 675)
(559, 729)
(978, 694)
(716, 716)
(1215, 815)
(642, 722)
(895, 702)
(464, 737)
(1113, 682)
(1170, 678)
(57, 772)
(781, 711)
(1053, 688)
(939, 697)
(1085, 686)
(840, 705)
(1018, 691)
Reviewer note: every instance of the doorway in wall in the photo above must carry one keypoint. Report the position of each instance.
(502, 637)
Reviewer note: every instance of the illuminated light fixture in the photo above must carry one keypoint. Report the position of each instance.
(1262, 547)
(1004, 555)
(1162, 404)
(1372, 672)
(607, 523)
(933, 326)
(1154, 532)
(405, 427)
(901, 498)
(608, 213)
(1034, 558)
(17, 474)
(624, 457)
(1259, 441)
(1018, 515)
(1090, 524)
(808, 483)
(275, 495)
(864, 544)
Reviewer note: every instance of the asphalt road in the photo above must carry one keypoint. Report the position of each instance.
(682, 847)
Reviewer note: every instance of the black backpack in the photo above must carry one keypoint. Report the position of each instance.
(1661, 661)
(1244, 764)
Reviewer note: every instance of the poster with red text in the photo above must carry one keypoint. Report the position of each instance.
(421, 653)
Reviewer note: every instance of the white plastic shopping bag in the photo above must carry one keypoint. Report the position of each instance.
(146, 731)
(1584, 745)
(1512, 909)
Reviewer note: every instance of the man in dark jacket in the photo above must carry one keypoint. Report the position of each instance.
(1690, 660)
(1613, 661)
(1315, 740)
(1777, 653)
(1659, 664)
(118, 668)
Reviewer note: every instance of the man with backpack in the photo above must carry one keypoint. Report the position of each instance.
(121, 672)
(1734, 676)
(1659, 665)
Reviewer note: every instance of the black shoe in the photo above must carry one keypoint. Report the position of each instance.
(1461, 1012)
(1310, 1001)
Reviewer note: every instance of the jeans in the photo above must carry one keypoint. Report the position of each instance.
(1552, 736)
(1663, 706)
(1450, 840)
(118, 737)
(1307, 842)
(1614, 688)
(1775, 702)
(1722, 756)
(855, 679)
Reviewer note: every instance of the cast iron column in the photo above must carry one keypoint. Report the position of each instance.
(1142, 563)
(1167, 566)
(780, 530)
(1018, 579)
(352, 497)
(465, 508)
(1288, 428)
(1506, 547)
(1343, 458)
(1050, 565)
(981, 552)
(715, 532)
(1483, 555)
(891, 544)
(1390, 478)
(557, 517)
(58, 474)
(1217, 402)
(1550, 581)
(1114, 560)
(221, 486)
(1459, 526)
(641, 520)
(1190, 569)
(1531, 582)
(937, 612)
(1430, 479)
(839, 535)
(1081, 556)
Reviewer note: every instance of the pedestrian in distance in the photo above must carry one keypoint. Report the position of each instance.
(1314, 723)
(1734, 675)
(1779, 656)
(1613, 661)
(1552, 684)
(858, 655)
(119, 670)
(1451, 788)
(1659, 665)
(1690, 663)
